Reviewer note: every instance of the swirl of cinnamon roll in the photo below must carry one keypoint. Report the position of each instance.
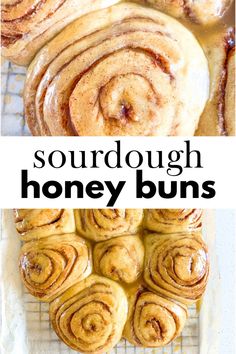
(153, 321)
(173, 220)
(90, 316)
(177, 266)
(27, 25)
(34, 224)
(198, 11)
(218, 118)
(51, 265)
(120, 259)
(125, 70)
(103, 224)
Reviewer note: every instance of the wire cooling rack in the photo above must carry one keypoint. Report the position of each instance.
(43, 340)
(12, 84)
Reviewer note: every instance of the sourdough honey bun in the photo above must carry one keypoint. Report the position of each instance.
(49, 267)
(173, 220)
(120, 259)
(177, 265)
(27, 25)
(125, 70)
(218, 118)
(90, 316)
(103, 224)
(33, 224)
(153, 321)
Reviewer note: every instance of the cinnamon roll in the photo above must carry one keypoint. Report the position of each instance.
(103, 224)
(218, 118)
(51, 265)
(90, 316)
(173, 220)
(26, 25)
(177, 265)
(198, 11)
(34, 224)
(153, 321)
(120, 259)
(125, 70)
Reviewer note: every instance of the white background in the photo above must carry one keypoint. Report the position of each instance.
(226, 254)
(218, 159)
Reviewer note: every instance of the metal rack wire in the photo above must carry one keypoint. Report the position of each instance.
(12, 84)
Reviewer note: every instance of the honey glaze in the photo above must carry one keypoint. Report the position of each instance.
(199, 305)
(203, 32)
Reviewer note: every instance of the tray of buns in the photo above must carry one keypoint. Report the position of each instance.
(129, 279)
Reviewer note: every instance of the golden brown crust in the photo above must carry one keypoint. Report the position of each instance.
(218, 118)
(173, 220)
(49, 266)
(119, 259)
(90, 316)
(103, 224)
(198, 11)
(177, 265)
(153, 321)
(27, 25)
(125, 70)
(33, 224)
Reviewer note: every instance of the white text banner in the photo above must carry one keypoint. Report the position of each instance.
(120, 172)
